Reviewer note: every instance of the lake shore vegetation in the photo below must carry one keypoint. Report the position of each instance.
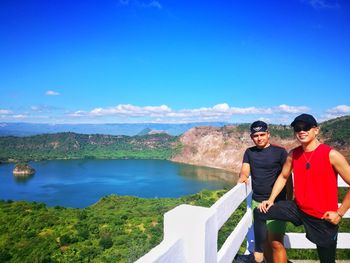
(115, 229)
(81, 146)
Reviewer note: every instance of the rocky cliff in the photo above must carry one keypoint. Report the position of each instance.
(220, 147)
(224, 147)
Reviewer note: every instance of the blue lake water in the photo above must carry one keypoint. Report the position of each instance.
(80, 183)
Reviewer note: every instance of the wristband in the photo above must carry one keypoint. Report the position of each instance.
(341, 216)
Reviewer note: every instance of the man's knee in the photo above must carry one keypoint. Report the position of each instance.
(261, 216)
(277, 245)
(276, 241)
(257, 213)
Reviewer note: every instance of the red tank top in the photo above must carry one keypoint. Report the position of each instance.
(316, 188)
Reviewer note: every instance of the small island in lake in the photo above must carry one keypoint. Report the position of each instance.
(23, 170)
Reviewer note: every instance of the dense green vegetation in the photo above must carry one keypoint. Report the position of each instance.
(337, 131)
(116, 229)
(82, 146)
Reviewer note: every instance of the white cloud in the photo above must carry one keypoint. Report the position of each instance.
(52, 93)
(322, 4)
(5, 112)
(162, 108)
(77, 114)
(130, 110)
(292, 109)
(19, 116)
(128, 113)
(35, 108)
(335, 112)
(251, 110)
(141, 4)
(339, 109)
(154, 4)
(224, 107)
(123, 2)
(163, 113)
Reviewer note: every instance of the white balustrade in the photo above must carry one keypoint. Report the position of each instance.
(191, 232)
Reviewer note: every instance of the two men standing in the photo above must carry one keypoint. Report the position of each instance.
(315, 168)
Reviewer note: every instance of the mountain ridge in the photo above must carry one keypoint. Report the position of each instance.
(224, 147)
(217, 147)
(130, 129)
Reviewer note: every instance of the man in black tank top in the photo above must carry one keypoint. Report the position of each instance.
(264, 163)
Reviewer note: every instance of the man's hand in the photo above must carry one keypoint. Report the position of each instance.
(243, 179)
(332, 217)
(244, 174)
(265, 206)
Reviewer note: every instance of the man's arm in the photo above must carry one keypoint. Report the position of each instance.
(340, 164)
(244, 174)
(289, 188)
(279, 184)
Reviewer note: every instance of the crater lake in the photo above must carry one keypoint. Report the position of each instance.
(80, 183)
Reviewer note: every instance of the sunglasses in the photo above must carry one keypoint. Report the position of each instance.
(303, 128)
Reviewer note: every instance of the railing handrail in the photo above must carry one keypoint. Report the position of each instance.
(190, 232)
(179, 221)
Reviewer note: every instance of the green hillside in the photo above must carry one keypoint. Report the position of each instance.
(82, 146)
(70, 145)
(337, 132)
(116, 229)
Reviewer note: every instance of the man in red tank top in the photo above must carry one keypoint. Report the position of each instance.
(315, 167)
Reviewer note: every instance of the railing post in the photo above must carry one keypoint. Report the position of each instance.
(197, 227)
(250, 234)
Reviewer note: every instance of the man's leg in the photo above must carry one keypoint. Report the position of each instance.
(271, 226)
(323, 234)
(268, 251)
(274, 250)
(276, 230)
(279, 253)
(282, 210)
(327, 254)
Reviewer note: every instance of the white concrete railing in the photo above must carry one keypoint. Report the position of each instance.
(191, 232)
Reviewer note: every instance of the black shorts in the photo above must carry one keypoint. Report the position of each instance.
(318, 231)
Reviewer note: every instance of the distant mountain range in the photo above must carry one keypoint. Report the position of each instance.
(131, 129)
(204, 145)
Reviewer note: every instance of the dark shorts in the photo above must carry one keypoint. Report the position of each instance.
(273, 226)
(318, 231)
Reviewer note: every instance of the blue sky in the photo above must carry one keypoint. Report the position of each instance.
(118, 61)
